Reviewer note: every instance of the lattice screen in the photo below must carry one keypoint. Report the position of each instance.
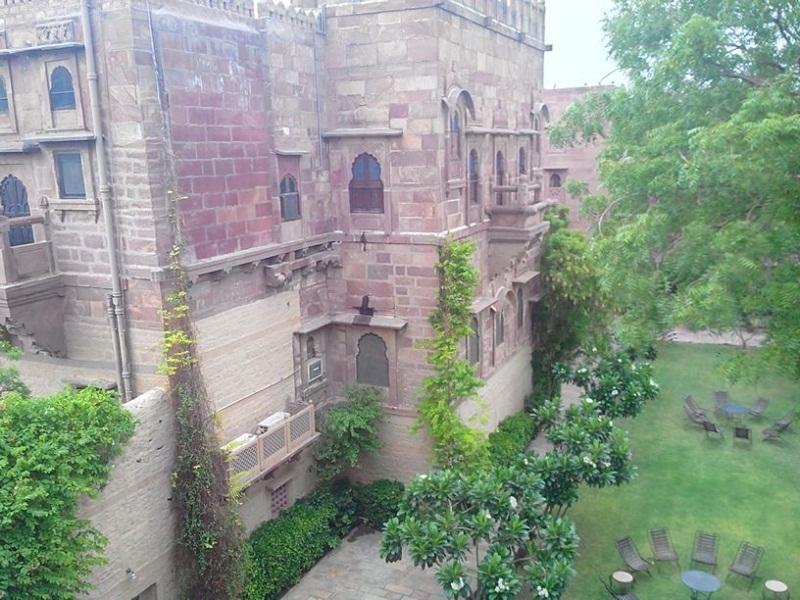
(280, 499)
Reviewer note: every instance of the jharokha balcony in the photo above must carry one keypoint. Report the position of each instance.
(278, 440)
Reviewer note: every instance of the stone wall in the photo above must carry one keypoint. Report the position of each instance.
(134, 510)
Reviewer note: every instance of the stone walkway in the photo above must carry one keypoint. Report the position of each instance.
(354, 571)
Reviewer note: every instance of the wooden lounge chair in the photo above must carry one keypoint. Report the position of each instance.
(661, 545)
(619, 595)
(692, 405)
(705, 549)
(746, 562)
(743, 433)
(773, 434)
(784, 422)
(710, 428)
(757, 410)
(630, 555)
(694, 417)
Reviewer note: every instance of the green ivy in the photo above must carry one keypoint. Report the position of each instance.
(52, 451)
(453, 379)
(348, 430)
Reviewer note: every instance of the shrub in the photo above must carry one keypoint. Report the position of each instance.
(280, 551)
(377, 502)
(513, 436)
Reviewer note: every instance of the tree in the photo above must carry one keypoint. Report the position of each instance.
(493, 518)
(701, 220)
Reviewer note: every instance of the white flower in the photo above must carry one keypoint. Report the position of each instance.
(513, 502)
(615, 392)
(525, 461)
(423, 476)
(542, 592)
(589, 401)
(457, 585)
(652, 382)
(501, 586)
(488, 515)
(594, 349)
(588, 460)
(606, 464)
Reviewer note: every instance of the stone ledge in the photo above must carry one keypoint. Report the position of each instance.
(359, 132)
(41, 48)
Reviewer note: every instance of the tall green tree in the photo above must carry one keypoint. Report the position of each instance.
(701, 220)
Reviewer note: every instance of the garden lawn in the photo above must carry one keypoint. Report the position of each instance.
(688, 482)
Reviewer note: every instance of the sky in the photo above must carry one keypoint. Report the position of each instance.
(579, 56)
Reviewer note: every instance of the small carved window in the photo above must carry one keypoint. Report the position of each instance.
(62, 93)
(69, 169)
(555, 180)
(474, 178)
(474, 342)
(366, 187)
(3, 96)
(455, 135)
(522, 161)
(372, 362)
(280, 499)
(500, 175)
(290, 199)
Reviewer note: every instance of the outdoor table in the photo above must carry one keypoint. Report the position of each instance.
(734, 410)
(778, 589)
(622, 580)
(700, 582)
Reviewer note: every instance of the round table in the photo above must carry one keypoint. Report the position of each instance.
(778, 589)
(700, 582)
(622, 580)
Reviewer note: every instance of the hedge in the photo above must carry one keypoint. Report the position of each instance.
(513, 436)
(377, 502)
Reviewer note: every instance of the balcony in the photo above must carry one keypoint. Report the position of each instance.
(256, 455)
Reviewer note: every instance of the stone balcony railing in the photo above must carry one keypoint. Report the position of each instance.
(265, 451)
(25, 261)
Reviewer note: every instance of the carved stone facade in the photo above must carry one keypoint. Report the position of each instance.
(321, 155)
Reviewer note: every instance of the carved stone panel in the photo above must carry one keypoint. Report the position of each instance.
(55, 33)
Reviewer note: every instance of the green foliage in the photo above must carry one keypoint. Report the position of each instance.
(700, 224)
(447, 519)
(10, 380)
(348, 430)
(377, 502)
(572, 313)
(512, 437)
(453, 379)
(52, 451)
(280, 551)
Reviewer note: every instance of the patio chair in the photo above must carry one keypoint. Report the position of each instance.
(784, 422)
(694, 417)
(743, 433)
(757, 410)
(630, 555)
(720, 399)
(773, 434)
(661, 545)
(710, 428)
(746, 562)
(692, 405)
(618, 595)
(705, 549)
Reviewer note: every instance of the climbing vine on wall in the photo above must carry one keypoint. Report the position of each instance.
(209, 531)
(453, 379)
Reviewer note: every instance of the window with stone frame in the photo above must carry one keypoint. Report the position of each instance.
(69, 173)
(311, 347)
(474, 178)
(455, 135)
(500, 330)
(500, 175)
(290, 199)
(372, 361)
(522, 161)
(537, 136)
(62, 92)
(366, 187)
(3, 96)
(520, 309)
(555, 180)
(14, 200)
(474, 342)
(279, 499)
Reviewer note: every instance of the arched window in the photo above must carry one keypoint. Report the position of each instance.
(555, 180)
(311, 348)
(62, 94)
(500, 330)
(522, 161)
(500, 175)
(520, 309)
(372, 362)
(3, 96)
(474, 177)
(290, 199)
(537, 136)
(474, 342)
(14, 198)
(455, 135)
(366, 187)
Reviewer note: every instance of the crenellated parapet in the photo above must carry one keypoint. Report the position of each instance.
(292, 15)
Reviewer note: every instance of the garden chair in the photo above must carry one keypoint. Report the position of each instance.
(694, 417)
(720, 399)
(692, 405)
(743, 433)
(661, 545)
(784, 422)
(773, 434)
(618, 595)
(710, 428)
(757, 410)
(746, 562)
(630, 555)
(705, 549)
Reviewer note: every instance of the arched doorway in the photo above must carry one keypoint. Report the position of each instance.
(14, 198)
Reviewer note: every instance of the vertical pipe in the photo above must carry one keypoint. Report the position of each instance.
(117, 301)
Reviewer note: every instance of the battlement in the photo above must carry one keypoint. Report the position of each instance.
(294, 14)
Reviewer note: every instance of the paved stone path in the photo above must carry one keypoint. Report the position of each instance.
(354, 571)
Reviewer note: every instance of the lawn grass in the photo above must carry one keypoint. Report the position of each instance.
(688, 482)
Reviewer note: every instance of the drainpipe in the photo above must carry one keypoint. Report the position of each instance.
(116, 300)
